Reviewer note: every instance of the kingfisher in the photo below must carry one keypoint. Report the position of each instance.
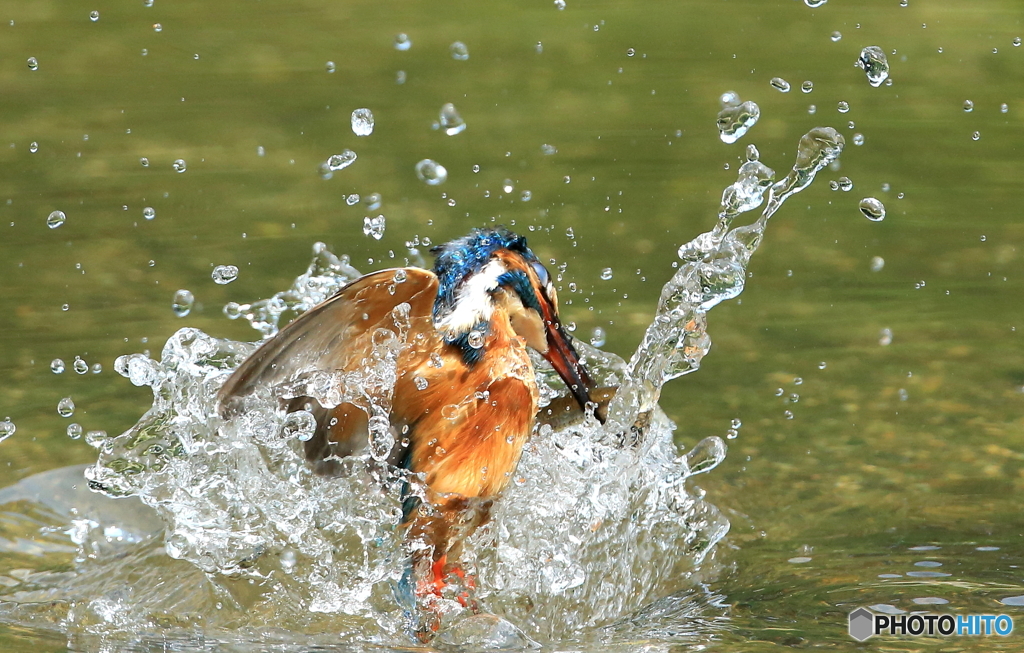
(463, 398)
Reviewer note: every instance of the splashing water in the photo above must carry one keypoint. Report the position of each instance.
(734, 120)
(598, 523)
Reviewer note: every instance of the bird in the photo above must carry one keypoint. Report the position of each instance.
(461, 399)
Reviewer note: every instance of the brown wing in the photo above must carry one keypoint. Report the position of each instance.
(335, 336)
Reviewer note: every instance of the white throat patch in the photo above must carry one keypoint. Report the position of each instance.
(473, 304)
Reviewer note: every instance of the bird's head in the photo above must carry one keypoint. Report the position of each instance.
(492, 269)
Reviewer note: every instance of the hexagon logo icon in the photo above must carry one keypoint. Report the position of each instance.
(862, 624)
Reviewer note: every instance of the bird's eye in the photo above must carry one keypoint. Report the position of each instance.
(542, 274)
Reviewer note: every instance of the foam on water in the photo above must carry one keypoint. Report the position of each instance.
(600, 530)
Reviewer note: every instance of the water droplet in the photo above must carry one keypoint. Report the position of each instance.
(843, 107)
(872, 209)
(157, 27)
(735, 121)
(402, 42)
(876, 67)
(597, 337)
(57, 366)
(352, 199)
(80, 366)
(836, 36)
(507, 186)
(96, 368)
(729, 99)
(94, 16)
(373, 201)
(780, 84)
(976, 136)
(968, 106)
(526, 196)
(381, 438)
(224, 274)
(885, 337)
(66, 407)
(450, 120)
(788, 414)
(807, 86)
(798, 381)
(340, 161)
(374, 227)
(844, 184)
(903, 394)
(179, 165)
(330, 67)
(182, 304)
(300, 425)
(431, 172)
(33, 63)
(1016, 41)
(144, 161)
(400, 77)
(74, 430)
(567, 179)
(55, 219)
(548, 149)
(877, 263)
(539, 47)
(475, 339)
(362, 122)
(814, 3)
(1003, 108)
(33, 147)
(7, 429)
(459, 51)
(65, 307)
(148, 213)
(606, 274)
(560, 4)
(420, 382)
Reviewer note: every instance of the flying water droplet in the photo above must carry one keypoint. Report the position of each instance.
(33, 63)
(459, 51)
(606, 274)
(597, 337)
(420, 382)
(80, 366)
(729, 99)
(547, 149)
(735, 121)
(179, 165)
(7, 429)
(57, 366)
(526, 196)
(224, 274)
(450, 120)
(877, 263)
(836, 36)
(814, 3)
(560, 5)
(968, 106)
(182, 304)
(74, 431)
(144, 161)
(976, 136)
(858, 139)
(34, 146)
(885, 337)
(807, 86)
(402, 42)
(507, 186)
(94, 16)
(872, 209)
(330, 67)
(148, 213)
(843, 107)
(475, 339)
(300, 425)
(876, 67)
(374, 227)
(352, 199)
(780, 84)
(844, 184)
(340, 161)
(1016, 41)
(66, 407)
(362, 122)
(431, 172)
(55, 219)
(373, 201)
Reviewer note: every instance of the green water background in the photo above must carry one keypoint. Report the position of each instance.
(920, 442)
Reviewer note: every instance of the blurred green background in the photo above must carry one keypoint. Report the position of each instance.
(918, 442)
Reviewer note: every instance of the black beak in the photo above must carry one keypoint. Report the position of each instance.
(563, 357)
